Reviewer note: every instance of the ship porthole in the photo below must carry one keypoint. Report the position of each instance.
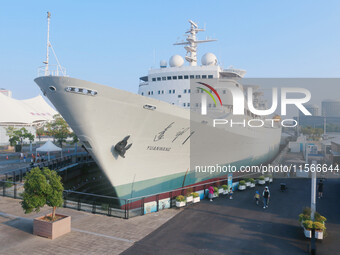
(52, 88)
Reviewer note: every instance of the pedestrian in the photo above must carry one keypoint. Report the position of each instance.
(21, 156)
(231, 193)
(257, 197)
(25, 158)
(266, 197)
(320, 188)
(211, 193)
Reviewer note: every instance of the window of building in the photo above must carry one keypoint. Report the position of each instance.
(158, 78)
(198, 76)
(188, 104)
(162, 91)
(186, 77)
(151, 92)
(163, 78)
(148, 92)
(198, 90)
(174, 77)
(197, 104)
(153, 79)
(142, 94)
(204, 76)
(168, 78)
(224, 91)
(189, 90)
(210, 76)
(180, 77)
(192, 76)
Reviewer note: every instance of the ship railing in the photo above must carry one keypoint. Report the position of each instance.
(53, 70)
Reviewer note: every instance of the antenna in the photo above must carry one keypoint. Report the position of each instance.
(191, 43)
(48, 43)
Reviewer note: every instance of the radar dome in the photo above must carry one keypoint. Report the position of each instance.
(209, 59)
(163, 64)
(176, 61)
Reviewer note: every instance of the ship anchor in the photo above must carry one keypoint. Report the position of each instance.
(122, 146)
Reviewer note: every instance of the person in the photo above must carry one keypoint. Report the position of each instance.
(21, 156)
(320, 188)
(211, 193)
(257, 197)
(266, 196)
(231, 193)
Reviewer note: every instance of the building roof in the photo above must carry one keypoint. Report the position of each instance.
(24, 112)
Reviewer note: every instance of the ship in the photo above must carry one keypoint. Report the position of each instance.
(149, 142)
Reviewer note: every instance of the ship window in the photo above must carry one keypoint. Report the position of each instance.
(192, 76)
(237, 85)
(153, 79)
(158, 78)
(198, 76)
(169, 77)
(142, 94)
(169, 91)
(189, 90)
(180, 77)
(209, 106)
(159, 92)
(210, 76)
(151, 92)
(186, 76)
(174, 77)
(163, 78)
(148, 92)
(173, 91)
(179, 96)
(52, 88)
(198, 90)
(162, 91)
(184, 104)
(204, 76)
(196, 104)
(188, 104)
(224, 92)
(185, 91)
(214, 105)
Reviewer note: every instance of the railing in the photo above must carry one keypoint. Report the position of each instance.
(53, 70)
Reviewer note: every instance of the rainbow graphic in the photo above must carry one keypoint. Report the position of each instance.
(209, 93)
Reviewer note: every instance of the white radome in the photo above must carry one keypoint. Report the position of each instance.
(176, 61)
(163, 64)
(209, 59)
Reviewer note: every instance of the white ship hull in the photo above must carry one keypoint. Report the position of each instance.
(159, 158)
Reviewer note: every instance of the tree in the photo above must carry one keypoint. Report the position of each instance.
(59, 129)
(18, 135)
(40, 132)
(42, 187)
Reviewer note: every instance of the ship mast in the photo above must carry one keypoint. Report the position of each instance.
(191, 43)
(48, 43)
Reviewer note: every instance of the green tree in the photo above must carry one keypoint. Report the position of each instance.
(59, 129)
(42, 187)
(40, 132)
(18, 135)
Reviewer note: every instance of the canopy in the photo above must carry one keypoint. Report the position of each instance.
(48, 147)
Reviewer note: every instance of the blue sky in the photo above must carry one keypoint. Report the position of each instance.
(113, 42)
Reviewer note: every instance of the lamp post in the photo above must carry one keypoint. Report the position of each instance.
(313, 204)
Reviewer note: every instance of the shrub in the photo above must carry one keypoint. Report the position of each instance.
(180, 198)
(303, 217)
(308, 224)
(242, 182)
(247, 180)
(319, 218)
(215, 190)
(195, 194)
(307, 211)
(318, 226)
(189, 194)
(224, 187)
(252, 180)
(261, 178)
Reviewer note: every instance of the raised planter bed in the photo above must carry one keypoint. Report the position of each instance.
(52, 230)
(180, 204)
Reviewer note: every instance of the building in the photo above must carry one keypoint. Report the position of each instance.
(331, 108)
(30, 113)
(312, 108)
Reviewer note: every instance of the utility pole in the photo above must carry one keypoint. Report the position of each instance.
(313, 204)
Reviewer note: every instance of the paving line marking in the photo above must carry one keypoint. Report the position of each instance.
(74, 229)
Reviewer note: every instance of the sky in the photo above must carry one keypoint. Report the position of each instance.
(116, 42)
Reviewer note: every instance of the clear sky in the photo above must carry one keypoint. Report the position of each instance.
(113, 42)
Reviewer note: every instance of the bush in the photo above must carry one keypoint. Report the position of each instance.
(318, 226)
(189, 194)
(303, 217)
(242, 183)
(319, 218)
(247, 180)
(308, 224)
(252, 180)
(180, 198)
(261, 178)
(307, 211)
(195, 194)
(224, 187)
(215, 190)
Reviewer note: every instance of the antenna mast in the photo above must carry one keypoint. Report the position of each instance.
(48, 43)
(191, 42)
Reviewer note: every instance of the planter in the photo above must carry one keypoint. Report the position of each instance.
(220, 191)
(308, 233)
(318, 234)
(261, 182)
(54, 229)
(189, 199)
(266, 179)
(196, 200)
(180, 204)
(248, 184)
(270, 179)
(215, 195)
(242, 187)
(252, 185)
(225, 192)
